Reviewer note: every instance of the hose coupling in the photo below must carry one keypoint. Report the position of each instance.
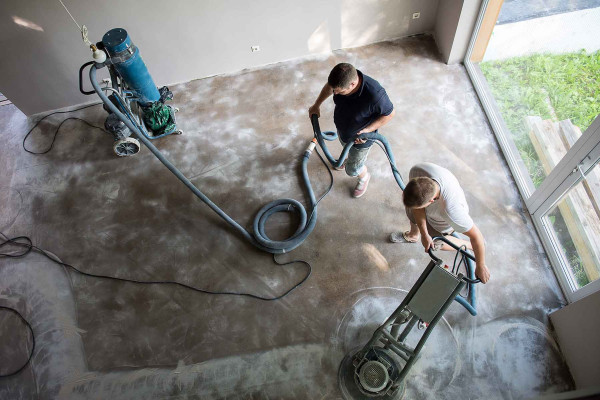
(311, 146)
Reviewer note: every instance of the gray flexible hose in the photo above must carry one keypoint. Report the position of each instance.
(259, 239)
(322, 136)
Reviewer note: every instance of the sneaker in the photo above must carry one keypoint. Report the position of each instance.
(361, 186)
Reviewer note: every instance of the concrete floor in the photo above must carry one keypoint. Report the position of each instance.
(244, 134)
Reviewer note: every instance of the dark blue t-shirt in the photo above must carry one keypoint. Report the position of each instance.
(356, 111)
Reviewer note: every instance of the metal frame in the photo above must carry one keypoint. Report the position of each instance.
(578, 161)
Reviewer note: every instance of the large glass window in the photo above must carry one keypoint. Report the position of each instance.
(575, 226)
(536, 68)
(546, 100)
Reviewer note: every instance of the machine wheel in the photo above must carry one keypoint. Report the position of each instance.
(126, 147)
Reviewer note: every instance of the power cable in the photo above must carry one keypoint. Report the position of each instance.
(27, 245)
(58, 127)
(28, 325)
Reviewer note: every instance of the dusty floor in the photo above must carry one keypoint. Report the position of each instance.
(244, 134)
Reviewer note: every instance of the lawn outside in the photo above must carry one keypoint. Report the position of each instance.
(553, 87)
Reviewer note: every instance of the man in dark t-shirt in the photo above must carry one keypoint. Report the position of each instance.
(361, 105)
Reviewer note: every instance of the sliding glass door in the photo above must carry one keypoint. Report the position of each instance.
(537, 73)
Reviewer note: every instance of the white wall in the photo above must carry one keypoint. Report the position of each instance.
(578, 329)
(183, 40)
(454, 25)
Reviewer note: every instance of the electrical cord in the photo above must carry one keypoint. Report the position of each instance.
(58, 128)
(28, 325)
(456, 267)
(28, 246)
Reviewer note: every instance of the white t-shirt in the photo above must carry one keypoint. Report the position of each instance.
(451, 209)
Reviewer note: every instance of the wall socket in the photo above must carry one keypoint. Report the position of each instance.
(416, 15)
(254, 48)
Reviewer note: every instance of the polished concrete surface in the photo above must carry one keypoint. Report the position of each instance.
(244, 135)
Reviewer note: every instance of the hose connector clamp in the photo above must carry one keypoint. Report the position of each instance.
(311, 146)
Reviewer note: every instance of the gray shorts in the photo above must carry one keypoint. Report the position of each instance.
(356, 159)
(430, 229)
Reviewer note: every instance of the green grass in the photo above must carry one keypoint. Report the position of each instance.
(557, 87)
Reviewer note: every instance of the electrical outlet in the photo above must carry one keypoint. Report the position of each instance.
(416, 15)
(254, 48)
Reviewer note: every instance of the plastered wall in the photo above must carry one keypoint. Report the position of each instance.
(454, 25)
(577, 326)
(184, 40)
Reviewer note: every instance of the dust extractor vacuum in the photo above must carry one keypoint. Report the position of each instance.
(132, 91)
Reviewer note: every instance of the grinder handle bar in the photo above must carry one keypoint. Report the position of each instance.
(460, 250)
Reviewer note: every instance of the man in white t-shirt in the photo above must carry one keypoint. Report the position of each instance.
(436, 206)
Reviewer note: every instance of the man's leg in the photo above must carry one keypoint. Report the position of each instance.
(412, 235)
(355, 166)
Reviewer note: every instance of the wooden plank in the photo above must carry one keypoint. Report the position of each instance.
(569, 134)
(576, 208)
(485, 31)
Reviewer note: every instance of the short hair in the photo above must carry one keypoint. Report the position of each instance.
(418, 192)
(342, 75)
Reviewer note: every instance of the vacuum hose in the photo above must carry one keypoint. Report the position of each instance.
(259, 239)
(328, 135)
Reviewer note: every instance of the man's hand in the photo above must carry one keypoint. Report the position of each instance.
(314, 109)
(360, 141)
(482, 272)
(427, 241)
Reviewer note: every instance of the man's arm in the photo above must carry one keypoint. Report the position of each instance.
(421, 220)
(378, 123)
(325, 93)
(478, 244)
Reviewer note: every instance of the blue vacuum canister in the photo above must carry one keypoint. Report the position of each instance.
(128, 62)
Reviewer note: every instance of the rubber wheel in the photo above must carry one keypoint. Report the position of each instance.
(126, 147)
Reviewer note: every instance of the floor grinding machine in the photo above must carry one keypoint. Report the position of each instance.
(379, 368)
